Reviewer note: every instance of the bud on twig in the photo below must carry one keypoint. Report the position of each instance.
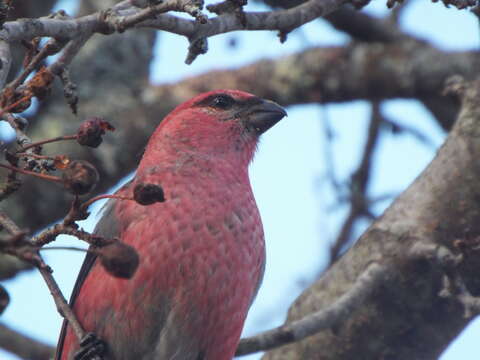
(119, 259)
(80, 177)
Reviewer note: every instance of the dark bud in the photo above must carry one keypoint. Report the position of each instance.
(119, 259)
(147, 194)
(91, 131)
(4, 299)
(80, 177)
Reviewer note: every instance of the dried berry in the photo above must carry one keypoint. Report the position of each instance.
(80, 177)
(119, 259)
(147, 194)
(91, 131)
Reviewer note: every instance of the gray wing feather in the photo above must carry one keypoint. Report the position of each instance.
(106, 227)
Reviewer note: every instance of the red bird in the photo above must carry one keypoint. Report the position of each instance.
(202, 251)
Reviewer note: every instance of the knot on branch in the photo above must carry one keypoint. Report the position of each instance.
(194, 8)
(230, 6)
(69, 90)
(454, 286)
(60, 15)
(197, 47)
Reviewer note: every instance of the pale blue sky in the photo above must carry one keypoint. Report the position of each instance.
(295, 205)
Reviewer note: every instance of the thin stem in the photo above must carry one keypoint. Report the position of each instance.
(16, 103)
(60, 301)
(32, 173)
(73, 248)
(35, 156)
(55, 139)
(89, 202)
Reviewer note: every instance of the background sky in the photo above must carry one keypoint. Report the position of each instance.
(288, 173)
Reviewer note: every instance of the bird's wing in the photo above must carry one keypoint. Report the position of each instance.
(107, 228)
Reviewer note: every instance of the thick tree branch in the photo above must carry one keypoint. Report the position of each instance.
(409, 69)
(375, 276)
(24, 346)
(430, 299)
(125, 17)
(329, 317)
(364, 27)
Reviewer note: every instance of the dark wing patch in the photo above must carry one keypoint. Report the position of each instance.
(106, 227)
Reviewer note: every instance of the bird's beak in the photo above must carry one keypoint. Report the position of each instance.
(263, 115)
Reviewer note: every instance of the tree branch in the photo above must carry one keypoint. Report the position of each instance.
(332, 316)
(429, 300)
(359, 202)
(24, 346)
(281, 20)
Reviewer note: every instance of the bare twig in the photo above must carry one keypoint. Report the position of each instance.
(62, 305)
(8, 224)
(359, 184)
(51, 233)
(34, 258)
(51, 47)
(55, 139)
(32, 173)
(71, 49)
(89, 202)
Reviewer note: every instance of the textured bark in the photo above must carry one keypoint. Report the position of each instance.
(406, 318)
(378, 71)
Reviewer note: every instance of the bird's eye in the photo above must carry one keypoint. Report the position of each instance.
(223, 102)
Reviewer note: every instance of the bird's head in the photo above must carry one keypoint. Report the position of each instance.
(220, 123)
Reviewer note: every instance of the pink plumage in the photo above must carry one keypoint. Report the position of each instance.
(201, 251)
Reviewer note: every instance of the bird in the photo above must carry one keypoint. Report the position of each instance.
(201, 251)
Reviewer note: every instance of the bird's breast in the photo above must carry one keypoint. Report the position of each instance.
(204, 249)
